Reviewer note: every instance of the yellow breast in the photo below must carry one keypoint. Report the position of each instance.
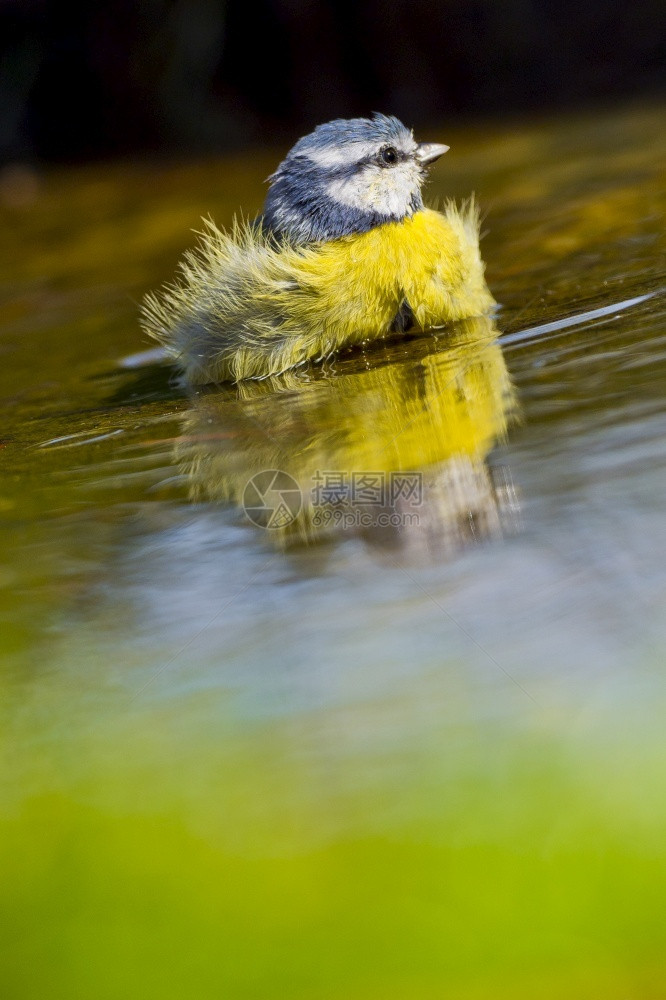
(354, 287)
(246, 309)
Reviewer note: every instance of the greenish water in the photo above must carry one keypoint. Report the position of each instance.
(338, 759)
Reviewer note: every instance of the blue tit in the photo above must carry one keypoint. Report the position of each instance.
(344, 253)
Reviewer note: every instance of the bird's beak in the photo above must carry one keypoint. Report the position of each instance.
(428, 152)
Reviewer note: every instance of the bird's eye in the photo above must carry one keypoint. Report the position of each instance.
(388, 155)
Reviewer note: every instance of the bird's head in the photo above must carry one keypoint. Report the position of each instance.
(346, 177)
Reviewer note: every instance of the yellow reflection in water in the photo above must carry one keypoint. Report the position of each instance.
(396, 449)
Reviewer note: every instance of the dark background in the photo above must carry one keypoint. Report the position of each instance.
(82, 79)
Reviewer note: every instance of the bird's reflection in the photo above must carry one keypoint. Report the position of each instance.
(391, 446)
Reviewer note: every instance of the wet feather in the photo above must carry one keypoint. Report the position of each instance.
(246, 307)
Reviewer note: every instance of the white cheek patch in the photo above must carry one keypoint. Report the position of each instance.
(384, 190)
(349, 191)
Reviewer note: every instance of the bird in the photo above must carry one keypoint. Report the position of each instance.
(344, 253)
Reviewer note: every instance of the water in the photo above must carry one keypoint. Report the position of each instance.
(340, 759)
